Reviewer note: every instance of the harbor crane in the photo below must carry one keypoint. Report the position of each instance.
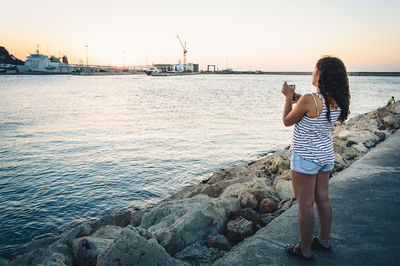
(184, 49)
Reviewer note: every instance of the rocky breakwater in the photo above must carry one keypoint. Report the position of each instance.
(201, 223)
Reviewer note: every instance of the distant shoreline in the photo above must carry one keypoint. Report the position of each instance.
(392, 74)
(283, 73)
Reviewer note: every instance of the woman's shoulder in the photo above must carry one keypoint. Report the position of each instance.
(307, 97)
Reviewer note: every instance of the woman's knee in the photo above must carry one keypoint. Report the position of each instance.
(306, 206)
(322, 200)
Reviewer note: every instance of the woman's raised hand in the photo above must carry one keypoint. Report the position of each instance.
(287, 90)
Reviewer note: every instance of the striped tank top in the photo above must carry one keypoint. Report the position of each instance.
(312, 137)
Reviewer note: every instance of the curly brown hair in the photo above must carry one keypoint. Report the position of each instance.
(333, 84)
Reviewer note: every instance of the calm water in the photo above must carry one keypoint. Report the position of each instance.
(76, 147)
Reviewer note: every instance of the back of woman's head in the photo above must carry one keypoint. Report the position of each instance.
(333, 84)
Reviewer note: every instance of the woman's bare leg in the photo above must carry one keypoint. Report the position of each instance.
(324, 207)
(304, 187)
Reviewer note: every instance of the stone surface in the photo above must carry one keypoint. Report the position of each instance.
(340, 164)
(69, 235)
(249, 214)
(284, 189)
(258, 187)
(137, 217)
(40, 256)
(218, 241)
(172, 242)
(367, 138)
(41, 242)
(247, 200)
(192, 218)
(266, 218)
(133, 249)
(198, 254)
(239, 229)
(267, 205)
(86, 249)
(119, 218)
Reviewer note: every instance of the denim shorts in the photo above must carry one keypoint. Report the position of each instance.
(301, 165)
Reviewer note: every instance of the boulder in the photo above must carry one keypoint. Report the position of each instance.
(218, 241)
(267, 205)
(41, 241)
(283, 185)
(249, 214)
(133, 249)
(247, 200)
(87, 249)
(395, 107)
(284, 189)
(215, 189)
(172, 242)
(274, 165)
(367, 138)
(137, 217)
(69, 235)
(41, 256)
(228, 174)
(258, 187)
(119, 218)
(192, 218)
(348, 153)
(239, 229)
(340, 164)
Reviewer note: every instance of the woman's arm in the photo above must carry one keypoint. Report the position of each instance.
(292, 116)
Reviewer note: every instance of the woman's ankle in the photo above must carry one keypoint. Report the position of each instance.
(324, 240)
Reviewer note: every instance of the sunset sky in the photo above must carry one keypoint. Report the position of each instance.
(244, 35)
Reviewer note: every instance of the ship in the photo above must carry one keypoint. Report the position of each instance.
(42, 64)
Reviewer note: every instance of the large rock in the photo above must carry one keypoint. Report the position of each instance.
(171, 241)
(42, 256)
(247, 200)
(133, 249)
(367, 138)
(192, 218)
(218, 241)
(340, 164)
(119, 218)
(267, 205)
(249, 214)
(86, 249)
(274, 165)
(283, 185)
(395, 107)
(228, 174)
(41, 241)
(215, 189)
(239, 229)
(258, 187)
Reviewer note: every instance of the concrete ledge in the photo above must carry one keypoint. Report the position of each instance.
(366, 216)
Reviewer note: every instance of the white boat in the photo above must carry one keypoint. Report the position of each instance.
(7, 69)
(42, 64)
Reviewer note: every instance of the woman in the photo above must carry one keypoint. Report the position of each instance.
(312, 159)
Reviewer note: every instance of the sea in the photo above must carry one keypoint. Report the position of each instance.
(81, 147)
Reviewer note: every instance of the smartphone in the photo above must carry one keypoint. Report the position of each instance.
(291, 86)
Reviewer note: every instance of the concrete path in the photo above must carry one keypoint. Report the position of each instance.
(366, 218)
